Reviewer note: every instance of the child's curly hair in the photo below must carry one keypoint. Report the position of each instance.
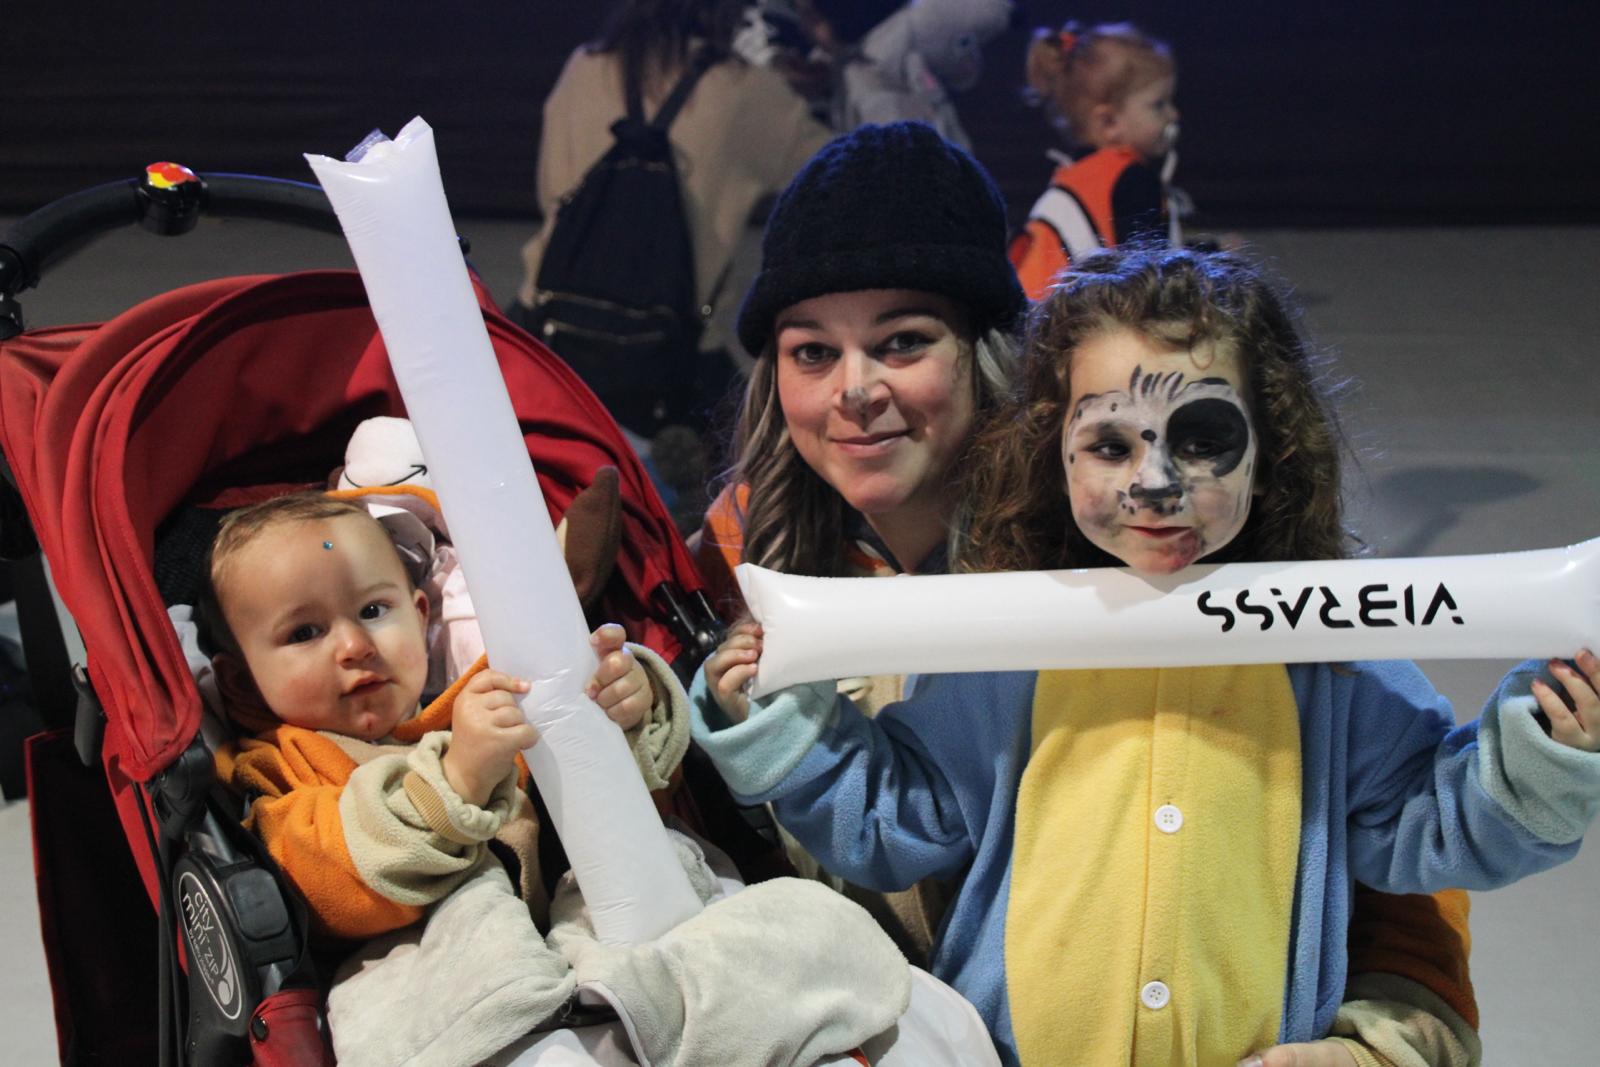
(1019, 518)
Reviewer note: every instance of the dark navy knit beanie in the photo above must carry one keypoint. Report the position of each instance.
(886, 207)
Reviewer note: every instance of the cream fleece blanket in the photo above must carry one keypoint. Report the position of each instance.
(452, 990)
(785, 972)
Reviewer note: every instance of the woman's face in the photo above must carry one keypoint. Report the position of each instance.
(876, 388)
(1158, 449)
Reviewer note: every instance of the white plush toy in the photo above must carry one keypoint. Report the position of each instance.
(383, 453)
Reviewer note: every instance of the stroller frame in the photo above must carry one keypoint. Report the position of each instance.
(250, 992)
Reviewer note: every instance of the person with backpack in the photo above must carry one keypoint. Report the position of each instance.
(606, 277)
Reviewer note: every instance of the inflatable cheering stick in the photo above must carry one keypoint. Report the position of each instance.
(392, 206)
(1512, 605)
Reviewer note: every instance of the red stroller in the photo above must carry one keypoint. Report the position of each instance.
(123, 443)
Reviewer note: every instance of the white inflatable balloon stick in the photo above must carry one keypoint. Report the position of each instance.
(392, 206)
(1511, 605)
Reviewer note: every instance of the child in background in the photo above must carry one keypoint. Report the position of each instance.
(373, 806)
(1177, 847)
(1110, 90)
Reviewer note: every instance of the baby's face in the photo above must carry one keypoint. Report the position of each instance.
(332, 632)
(1158, 449)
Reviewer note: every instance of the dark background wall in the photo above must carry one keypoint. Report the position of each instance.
(1292, 114)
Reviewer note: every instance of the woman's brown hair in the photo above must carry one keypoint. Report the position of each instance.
(1016, 485)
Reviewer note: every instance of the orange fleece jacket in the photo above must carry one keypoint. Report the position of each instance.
(298, 776)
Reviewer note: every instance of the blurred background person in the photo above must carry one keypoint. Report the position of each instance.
(1109, 91)
(739, 136)
(879, 61)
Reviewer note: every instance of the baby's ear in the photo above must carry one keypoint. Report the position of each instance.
(420, 599)
(237, 688)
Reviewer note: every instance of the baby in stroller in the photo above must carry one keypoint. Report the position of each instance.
(374, 806)
(318, 614)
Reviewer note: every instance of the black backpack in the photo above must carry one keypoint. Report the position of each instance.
(615, 296)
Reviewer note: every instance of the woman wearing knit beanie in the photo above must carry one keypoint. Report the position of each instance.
(882, 321)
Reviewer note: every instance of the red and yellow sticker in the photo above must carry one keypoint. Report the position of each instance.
(168, 175)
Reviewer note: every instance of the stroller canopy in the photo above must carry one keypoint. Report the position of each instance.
(216, 390)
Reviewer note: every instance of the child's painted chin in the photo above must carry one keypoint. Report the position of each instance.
(1161, 566)
(1156, 556)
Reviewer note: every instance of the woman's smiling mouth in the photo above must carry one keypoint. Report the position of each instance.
(870, 443)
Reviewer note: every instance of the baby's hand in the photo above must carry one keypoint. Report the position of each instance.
(1577, 726)
(620, 686)
(487, 730)
(732, 665)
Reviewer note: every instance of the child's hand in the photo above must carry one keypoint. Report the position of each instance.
(620, 686)
(1577, 726)
(487, 731)
(731, 666)
(1325, 1053)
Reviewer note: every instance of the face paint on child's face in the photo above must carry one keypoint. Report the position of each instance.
(1158, 449)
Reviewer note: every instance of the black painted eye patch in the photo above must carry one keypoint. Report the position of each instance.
(1212, 430)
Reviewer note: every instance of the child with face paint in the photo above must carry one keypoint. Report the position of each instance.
(1159, 864)
(1109, 90)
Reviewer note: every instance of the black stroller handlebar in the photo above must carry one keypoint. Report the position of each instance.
(38, 237)
(168, 200)
(164, 206)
